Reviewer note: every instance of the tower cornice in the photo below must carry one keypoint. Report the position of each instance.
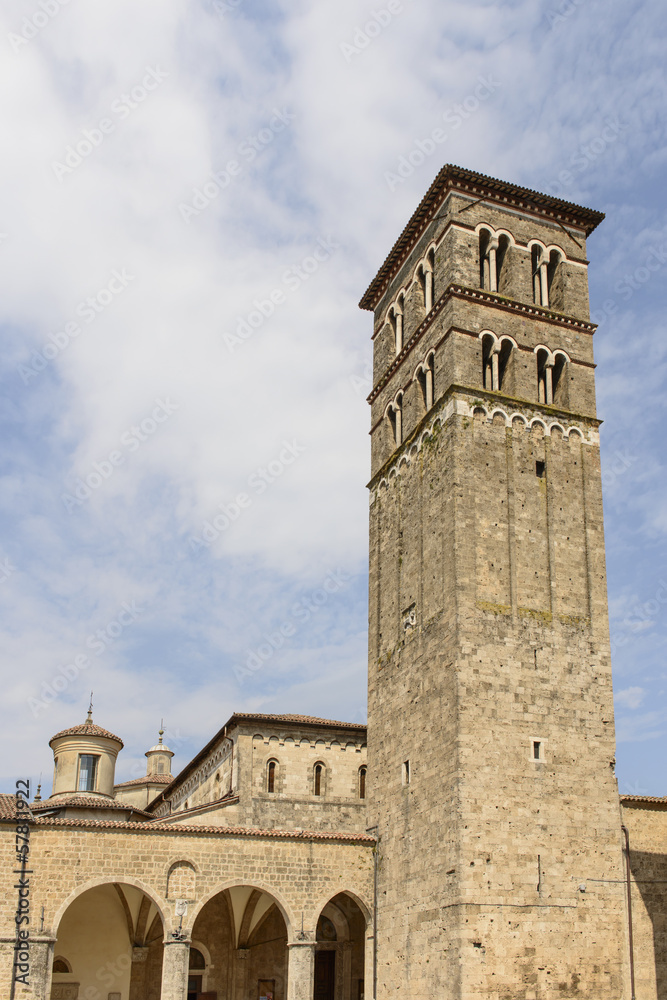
(480, 188)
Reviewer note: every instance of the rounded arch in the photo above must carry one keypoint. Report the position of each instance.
(505, 338)
(518, 416)
(498, 411)
(559, 352)
(575, 431)
(495, 232)
(60, 959)
(535, 422)
(364, 906)
(536, 244)
(93, 883)
(203, 949)
(241, 883)
(543, 347)
(488, 333)
(179, 861)
(556, 426)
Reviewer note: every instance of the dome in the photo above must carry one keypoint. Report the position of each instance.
(86, 729)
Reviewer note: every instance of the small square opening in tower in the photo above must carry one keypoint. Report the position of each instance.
(537, 750)
(540, 470)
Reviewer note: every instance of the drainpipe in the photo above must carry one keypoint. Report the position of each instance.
(629, 891)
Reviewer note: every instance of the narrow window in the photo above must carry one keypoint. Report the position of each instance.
(396, 318)
(554, 292)
(87, 772)
(406, 772)
(540, 270)
(488, 353)
(537, 748)
(484, 264)
(318, 779)
(504, 355)
(362, 782)
(395, 414)
(160, 767)
(540, 472)
(558, 382)
(501, 271)
(544, 377)
(429, 281)
(271, 776)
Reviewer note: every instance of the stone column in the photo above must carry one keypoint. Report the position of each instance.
(493, 267)
(175, 965)
(494, 368)
(548, 382)
(428, 290)
(41, 963)
(399, 332)
(544, 285)
(300, 970)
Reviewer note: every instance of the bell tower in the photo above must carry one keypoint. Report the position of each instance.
(491, 728)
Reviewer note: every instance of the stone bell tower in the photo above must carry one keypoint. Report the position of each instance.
(491, 729)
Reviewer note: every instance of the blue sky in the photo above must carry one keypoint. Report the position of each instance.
(171, 171)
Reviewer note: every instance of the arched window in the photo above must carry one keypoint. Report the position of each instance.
(317, 779)
(425, 378)
(61, 965)
(545, 270)
(395, 415)
(425, 275)
(271, 776)
(496, 355)
(396, 319)
(492, 251)
(554, 292)
(362, 782)
(544, 376)
(559, 378)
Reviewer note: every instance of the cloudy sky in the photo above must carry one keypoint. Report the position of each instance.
(193, 198)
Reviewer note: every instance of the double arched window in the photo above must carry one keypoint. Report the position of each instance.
(496, 354)
(425, 276)
(545, 262)
(394, 414)
(424, 374)
(396, 321)
(551, 369)
(492, 252)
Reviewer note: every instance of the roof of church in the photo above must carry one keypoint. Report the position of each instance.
(87, 729)
(84, 802)
(243, 717)
(311, 720)
(482, 188)
(147, 779)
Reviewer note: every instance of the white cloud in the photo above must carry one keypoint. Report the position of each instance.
(631, 697)
(321, 177)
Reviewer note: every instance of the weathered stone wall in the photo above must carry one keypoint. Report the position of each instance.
(302, 874)
(490, 703)
(646, 822)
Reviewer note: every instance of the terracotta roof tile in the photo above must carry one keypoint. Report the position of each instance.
(148, 779)
(311, 720)
(223, 831)
(660, 799)
(86, 729)
(7, 806)
(84, 802)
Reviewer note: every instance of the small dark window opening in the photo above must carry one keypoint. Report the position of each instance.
(318, 779)
(540, 472)
(362, 782)
(271, 777)
(197, 960)
(406, 772)
(60, 965)
(537, 748)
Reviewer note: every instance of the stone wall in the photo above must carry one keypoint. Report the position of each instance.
(646, 822)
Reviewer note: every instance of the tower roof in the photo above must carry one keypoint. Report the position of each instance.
(160, 747)
(480, 188)
(86, 729)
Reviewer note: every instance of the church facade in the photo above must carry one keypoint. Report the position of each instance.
(479, 846)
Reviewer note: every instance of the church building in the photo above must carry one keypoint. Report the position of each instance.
(471, 842)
